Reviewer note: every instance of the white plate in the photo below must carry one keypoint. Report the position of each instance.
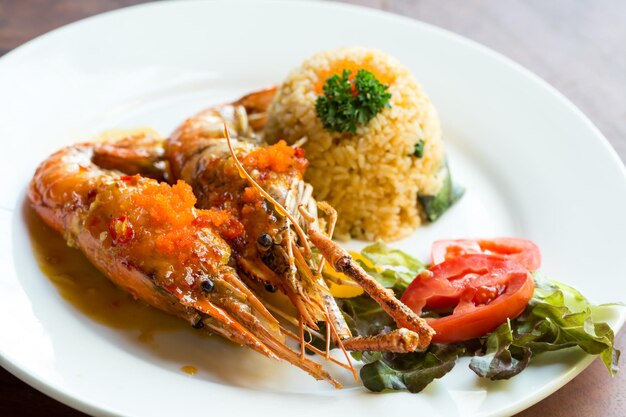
(533, 165)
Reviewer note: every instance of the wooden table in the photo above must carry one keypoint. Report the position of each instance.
(577, 46)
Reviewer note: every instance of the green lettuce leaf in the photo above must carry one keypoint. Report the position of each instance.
(411, 371)
(500, 360)
(384, 257)
(557, 317)
(364, 316)
(398, 268)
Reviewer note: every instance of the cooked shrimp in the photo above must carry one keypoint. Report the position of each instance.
(263, 188)
(149, 239)
(199, 155)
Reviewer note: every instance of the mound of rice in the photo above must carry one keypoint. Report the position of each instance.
(372, 178)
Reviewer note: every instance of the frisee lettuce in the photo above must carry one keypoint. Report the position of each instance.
(557, 317)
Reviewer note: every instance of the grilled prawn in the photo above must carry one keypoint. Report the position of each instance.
(149, 239)
(219, 153)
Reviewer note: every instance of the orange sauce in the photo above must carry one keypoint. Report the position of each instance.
(89, 291)
(189, 370)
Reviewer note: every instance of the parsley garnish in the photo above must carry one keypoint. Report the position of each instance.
(348, 103)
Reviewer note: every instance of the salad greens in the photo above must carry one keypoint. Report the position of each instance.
(393, 268)
(557, 317)
(410, 371)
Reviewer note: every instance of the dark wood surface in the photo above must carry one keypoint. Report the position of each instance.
(577, 46)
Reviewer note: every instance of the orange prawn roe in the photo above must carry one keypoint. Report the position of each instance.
(171, 209)
(276, 158)
(353, 67)
(250, 195)
(177, 242)
(172, 205)
(222, 220)
(155, 227)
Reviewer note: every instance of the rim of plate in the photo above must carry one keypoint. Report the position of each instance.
(66, 396)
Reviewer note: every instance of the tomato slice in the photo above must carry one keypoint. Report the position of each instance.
(485, 291)
(522, 251)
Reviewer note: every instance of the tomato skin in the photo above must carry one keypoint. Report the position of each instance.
(444, 250)
(522, 251)
(484, 319)
(485, 291)
(450, 280)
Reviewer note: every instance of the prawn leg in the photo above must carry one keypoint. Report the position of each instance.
(398, 341)
(342, 262)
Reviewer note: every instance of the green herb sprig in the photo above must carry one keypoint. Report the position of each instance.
(347, 104)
